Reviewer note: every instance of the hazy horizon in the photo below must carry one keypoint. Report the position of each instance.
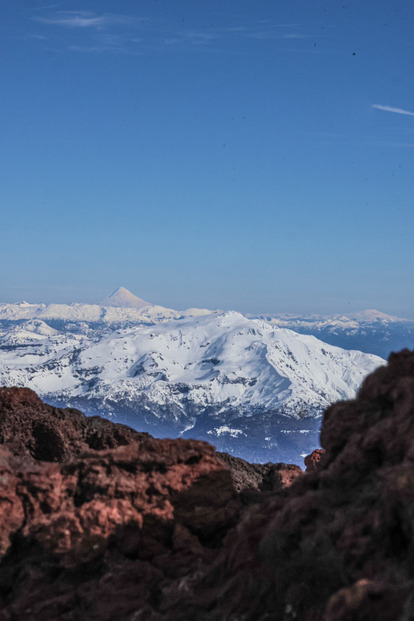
(258, 311)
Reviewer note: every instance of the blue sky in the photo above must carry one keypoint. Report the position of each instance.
(255, 155)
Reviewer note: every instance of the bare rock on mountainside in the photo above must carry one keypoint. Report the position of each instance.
(156, 530)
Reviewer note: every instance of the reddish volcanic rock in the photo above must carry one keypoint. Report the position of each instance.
(115, 531)
(260, 477)
(278, 477)
(313, 461)
(11, 506)
(150, 512)
(34, 429)
(340, 545)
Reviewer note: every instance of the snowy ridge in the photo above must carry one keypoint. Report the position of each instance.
(370, 330)
(220, 358)
(94, 313)
(366, 317)
(252, 386)
(211, 374)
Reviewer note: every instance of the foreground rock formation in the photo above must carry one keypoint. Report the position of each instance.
(98, 521)
(163, 530)
(33, 429)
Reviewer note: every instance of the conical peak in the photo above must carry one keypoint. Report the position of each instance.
(124, 298)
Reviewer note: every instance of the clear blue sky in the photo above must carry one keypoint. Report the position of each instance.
(255, 155)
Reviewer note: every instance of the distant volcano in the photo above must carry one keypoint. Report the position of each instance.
(123, 297)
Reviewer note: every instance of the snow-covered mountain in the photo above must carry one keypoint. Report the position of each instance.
(370, 331)
(121, 297)
(123, 309)
(248, 387)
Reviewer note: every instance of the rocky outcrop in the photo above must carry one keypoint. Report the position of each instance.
(266, 478)
(158, 529)
(106, 533)
(36, 430)
(340, 545)
(99, 521)
(313, 461)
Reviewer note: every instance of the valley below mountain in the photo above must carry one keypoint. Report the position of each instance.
(251, 388)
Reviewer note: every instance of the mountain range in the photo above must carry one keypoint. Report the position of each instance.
(370, 331)
(121, 309)
(249, 386)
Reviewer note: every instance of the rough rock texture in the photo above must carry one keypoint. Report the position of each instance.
(313, 461)
(108, 533)
(340, 545)
(102, 536)
(155, 530)
(34, 429)
(259, 477)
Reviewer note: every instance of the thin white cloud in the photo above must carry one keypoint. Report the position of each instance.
(38, 37)
(275, 33)
(86, 19)
(391, 109)
(100, 49)
(93, 31)
(46, 7)
(198, 37)
(263, 34)
(89, 49)
(296, 35)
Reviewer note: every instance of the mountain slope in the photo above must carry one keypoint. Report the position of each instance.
(121, 297)
(370, 331)
(84, 317)
(248, 387)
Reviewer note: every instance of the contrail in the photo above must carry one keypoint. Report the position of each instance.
(391, 109)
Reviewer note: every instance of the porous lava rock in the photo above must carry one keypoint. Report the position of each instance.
(270, 478)
(103, 535)
(34, 429)
(98, 521)
(313, 461)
